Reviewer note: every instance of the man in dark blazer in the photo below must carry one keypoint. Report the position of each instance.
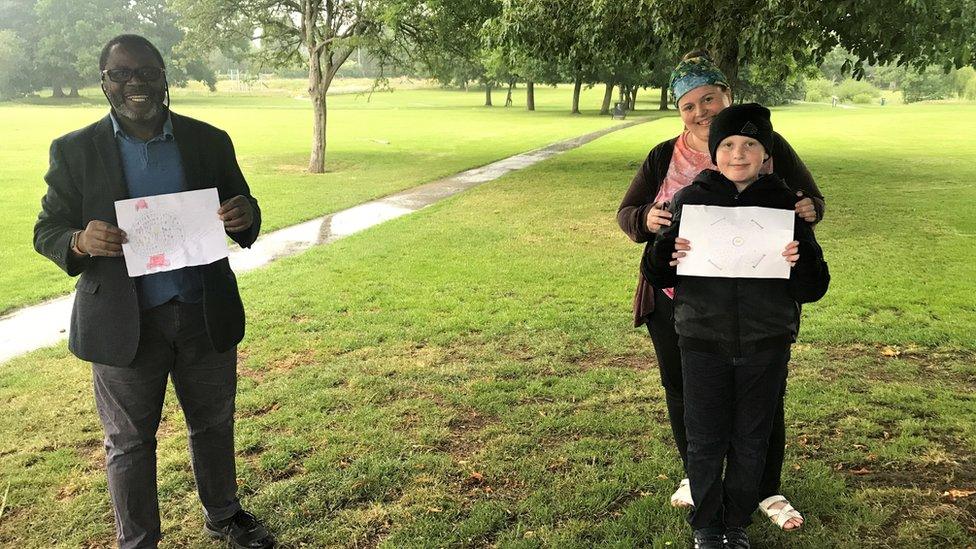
(137, 332)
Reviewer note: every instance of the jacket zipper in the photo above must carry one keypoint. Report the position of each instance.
(737, 335)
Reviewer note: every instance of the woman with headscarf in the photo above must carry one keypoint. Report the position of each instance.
(700, 91)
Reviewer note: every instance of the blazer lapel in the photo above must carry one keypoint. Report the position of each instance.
(108, 155)
(186, 142)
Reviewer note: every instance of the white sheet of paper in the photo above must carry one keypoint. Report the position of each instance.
(171, 231)
(745, 242)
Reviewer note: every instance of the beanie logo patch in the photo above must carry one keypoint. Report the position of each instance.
(749, 129)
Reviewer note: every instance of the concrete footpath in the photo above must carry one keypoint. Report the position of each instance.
(46, 324)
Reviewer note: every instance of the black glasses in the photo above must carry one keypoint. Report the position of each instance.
(146, 74)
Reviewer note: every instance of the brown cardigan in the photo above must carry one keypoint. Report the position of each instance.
(644, 187)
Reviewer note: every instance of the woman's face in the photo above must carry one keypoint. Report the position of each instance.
(699, 106)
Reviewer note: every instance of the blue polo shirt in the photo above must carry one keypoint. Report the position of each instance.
(150, 168)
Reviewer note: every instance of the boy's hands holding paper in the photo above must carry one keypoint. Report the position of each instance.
(682, 246)
(792, 253)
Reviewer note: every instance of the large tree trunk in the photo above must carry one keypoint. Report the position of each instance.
(488, 94)
(317, 89)
(508, 98)
(727, 59)
(632, 99)
(316, 163)
(73, 92)
(663, 105)
(324, 62)
(56, 91)
(607, 96)
(530, 96)
(577, 87)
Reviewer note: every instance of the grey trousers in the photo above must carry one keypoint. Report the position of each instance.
(173, 342)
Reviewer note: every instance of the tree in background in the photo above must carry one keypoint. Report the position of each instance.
(321, 34)
(185, 60)
(18, 37)
(837, 64)
(770, 34)
(932, 83)
(70, 35)
(528, 47)
(577, 40)
(57, 43)
(451, 43)
(760, 84)
(624, 48)
(13, 65)
(964, 83)
(560, 34)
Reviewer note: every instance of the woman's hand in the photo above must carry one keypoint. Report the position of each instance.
(805, 208)
(681, 247)
(792, 253)
(657, 216)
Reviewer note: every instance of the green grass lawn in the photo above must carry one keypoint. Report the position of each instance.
(378, 144)
(468, 376)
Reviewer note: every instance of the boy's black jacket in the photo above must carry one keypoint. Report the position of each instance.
(737, 316)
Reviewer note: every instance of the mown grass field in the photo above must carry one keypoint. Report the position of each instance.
(467, 376)
(378, 144)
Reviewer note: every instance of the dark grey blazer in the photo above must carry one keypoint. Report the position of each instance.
(84, 180)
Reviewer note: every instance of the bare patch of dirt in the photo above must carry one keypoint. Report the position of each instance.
(955, 469)
(93, 453)
(637, 363)
(929, 362)
(372, 537)
(258, 412)
(287, 472)
(252, 450)
(297, 359)
(465, 438)
(930, 477)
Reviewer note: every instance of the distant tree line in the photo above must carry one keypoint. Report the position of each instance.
(55, 43)
(622, 45)
(932, 83)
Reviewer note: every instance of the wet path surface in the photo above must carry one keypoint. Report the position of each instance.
(46, 324)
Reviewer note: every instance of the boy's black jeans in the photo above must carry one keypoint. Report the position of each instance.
(729, 408)
(660, 325)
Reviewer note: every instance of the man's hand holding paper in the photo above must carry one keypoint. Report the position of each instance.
(171, 231)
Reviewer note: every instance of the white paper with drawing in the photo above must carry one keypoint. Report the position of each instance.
(745, 242)
(171, 231)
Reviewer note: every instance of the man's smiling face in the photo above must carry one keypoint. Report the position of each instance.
(137, 100)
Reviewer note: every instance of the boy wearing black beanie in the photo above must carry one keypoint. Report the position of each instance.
(735, 333)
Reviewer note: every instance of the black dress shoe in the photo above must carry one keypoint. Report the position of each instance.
(242, 531)
(736, 538)
(709, 538)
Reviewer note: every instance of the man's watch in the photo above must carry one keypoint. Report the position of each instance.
(74, 243)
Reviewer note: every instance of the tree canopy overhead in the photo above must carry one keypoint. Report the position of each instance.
(781, 33)
(625, 43)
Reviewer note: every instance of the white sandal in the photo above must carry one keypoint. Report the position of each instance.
(781, 516)
(681, 497)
